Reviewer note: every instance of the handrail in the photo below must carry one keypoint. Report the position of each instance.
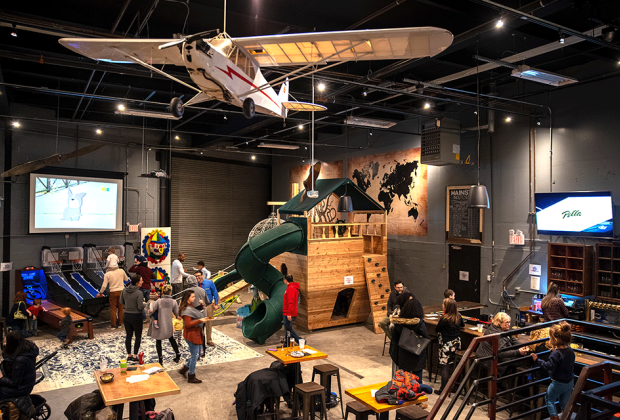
(575, 397)
(493, 379)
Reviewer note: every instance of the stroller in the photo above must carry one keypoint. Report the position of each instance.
(42, 410)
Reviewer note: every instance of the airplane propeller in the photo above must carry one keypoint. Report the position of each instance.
(189, 39)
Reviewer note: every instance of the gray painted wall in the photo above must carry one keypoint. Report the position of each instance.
(585, 156)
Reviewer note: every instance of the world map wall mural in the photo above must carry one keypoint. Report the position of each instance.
(398, 182)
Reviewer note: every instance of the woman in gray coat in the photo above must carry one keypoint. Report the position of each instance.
(166, 307)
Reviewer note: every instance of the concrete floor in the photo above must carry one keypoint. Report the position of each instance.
(355, 349)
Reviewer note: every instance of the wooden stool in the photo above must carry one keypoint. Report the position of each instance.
(360, 410)
(385, 341)
(308, 391)
(326, 372)
(412, 412)
(273, 406)
(458, 355)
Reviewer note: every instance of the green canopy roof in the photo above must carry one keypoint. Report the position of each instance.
(361, 200)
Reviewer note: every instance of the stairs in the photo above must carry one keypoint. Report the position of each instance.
(378, 284)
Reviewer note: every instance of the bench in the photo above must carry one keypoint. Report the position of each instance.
(53, 314)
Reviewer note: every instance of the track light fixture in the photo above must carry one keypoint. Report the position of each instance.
(121, 107)
(16, 124)
(500, 21)
(537, 121)
(608, 33)
(321, 86)
(253, 157)
(561, 37)
(14, 32)
(98, 131)
(177, 137)
(300, 126)
(427, 105)
(508, 119)
(364, 93)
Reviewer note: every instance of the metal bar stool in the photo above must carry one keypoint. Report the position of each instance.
(272, 404)
(360, 410)
(326, 372)
(307, 392)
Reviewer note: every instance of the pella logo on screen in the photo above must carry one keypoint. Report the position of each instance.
(568, 213)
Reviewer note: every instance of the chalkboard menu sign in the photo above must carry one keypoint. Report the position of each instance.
(463, 223)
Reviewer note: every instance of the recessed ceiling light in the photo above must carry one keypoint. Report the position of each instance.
(16, 124)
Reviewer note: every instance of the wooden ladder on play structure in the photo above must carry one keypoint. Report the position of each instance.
(378, 283)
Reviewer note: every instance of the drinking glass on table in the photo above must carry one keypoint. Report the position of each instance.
(302, 343)
(282, 341)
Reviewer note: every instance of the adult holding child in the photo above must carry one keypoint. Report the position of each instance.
(193, 321)
(114, 279)
(166, 308)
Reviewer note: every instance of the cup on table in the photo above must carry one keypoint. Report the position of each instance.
(480, 327)
(302, 343)
(292, 342)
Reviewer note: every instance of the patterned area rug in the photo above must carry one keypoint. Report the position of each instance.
(75, 365)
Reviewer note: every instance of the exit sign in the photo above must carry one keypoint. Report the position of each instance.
(133, 228)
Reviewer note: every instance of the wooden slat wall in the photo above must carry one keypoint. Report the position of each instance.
(214, 207)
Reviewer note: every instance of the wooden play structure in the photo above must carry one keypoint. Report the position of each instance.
(343, 274)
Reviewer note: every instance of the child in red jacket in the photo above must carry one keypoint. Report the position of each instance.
(289, 305)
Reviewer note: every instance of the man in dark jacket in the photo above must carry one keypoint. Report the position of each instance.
(18, 373)
(399, 288)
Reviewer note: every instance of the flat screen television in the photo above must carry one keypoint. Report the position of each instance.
(575, 214)
(75, 203)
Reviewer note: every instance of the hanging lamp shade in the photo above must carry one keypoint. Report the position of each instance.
(345, 204)
(478, 197)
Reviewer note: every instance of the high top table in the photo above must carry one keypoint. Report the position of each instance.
(287, 359)
(119, 391)
(363, 395)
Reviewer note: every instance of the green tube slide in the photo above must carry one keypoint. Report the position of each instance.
(252, 264)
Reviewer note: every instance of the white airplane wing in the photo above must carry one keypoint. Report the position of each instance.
(113, 50)
(376, 44)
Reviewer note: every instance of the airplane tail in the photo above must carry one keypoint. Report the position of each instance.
(283, 97)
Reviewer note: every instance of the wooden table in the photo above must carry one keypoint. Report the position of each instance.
(462, 306)
(119, 391)
(290, 360)
(362, 394)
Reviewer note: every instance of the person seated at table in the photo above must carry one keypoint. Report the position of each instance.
(552, 305)
(17, 370)
(385, 323)
(501, 323)
(449, 293)
(449, 336)
(412, 318)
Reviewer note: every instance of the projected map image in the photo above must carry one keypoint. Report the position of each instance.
(73, 204)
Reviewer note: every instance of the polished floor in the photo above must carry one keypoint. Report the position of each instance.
(355, 349)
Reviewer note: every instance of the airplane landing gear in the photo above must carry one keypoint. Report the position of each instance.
(248, 108)
(176, 107)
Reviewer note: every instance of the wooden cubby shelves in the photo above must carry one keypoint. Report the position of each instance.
(570, 267)
(607, 277)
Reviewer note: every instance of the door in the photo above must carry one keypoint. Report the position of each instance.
(464, 274)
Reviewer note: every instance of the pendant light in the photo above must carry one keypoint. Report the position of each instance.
(345, 203)
(478, 195)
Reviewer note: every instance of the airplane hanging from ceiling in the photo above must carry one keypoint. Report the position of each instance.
(229, 69)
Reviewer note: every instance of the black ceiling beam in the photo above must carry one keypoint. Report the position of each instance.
(54, 26)
(547, 24)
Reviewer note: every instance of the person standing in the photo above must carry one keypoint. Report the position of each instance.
(166, 308)
(114, 278)
(178, 274)
(205, 273)
(18, 366)
(199, 301)
(561, 365)
(399, 288)
(133, 300)
(192, 333)
(18, 315)
(289, 305)
(553, 306)
(449, 336)
(145, 272)
(33, 311)
(213, 299)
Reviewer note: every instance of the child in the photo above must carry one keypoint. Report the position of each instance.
(138, 258)
(155, 313)
(449, 335)
(206, 274)
(65, 327)
(33, 311)
(449, 293)
(112, 261)
(560, 367)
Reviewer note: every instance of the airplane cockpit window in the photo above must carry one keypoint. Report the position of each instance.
(244, 62)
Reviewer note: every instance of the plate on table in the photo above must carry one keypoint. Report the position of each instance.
(297, 354)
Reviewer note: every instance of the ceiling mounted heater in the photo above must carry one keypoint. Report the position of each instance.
(369, 122)
(542, 76)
